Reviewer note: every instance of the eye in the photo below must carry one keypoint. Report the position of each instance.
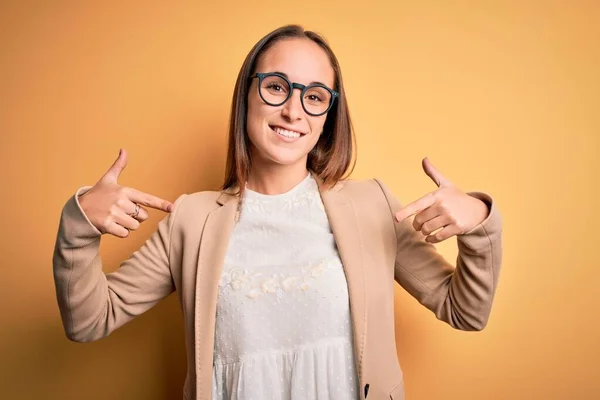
(314, 98)
(275, 87)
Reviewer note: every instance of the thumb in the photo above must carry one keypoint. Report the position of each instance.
(115, 170)
(434, 174)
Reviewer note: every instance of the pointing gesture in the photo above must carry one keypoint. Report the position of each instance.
(447, 209)
(117, 209)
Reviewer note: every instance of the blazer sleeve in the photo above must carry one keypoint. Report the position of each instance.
(460, 294)
(93, 304)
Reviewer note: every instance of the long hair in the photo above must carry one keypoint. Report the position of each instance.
(332, 158)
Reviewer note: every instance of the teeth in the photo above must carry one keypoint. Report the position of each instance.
(286, 133)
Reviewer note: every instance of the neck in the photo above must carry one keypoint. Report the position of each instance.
(275, 179)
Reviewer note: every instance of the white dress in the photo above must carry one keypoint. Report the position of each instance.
(283, 328)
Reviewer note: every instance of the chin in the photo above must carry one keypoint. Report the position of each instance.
(287, 159)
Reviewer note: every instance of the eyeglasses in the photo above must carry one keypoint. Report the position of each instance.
(275, 89)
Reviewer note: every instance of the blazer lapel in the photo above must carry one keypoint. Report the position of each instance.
(213, 247)
(343, 222)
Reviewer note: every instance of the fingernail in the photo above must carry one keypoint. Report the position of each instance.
(170, 207)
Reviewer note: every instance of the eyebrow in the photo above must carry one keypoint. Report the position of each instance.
(312, 83)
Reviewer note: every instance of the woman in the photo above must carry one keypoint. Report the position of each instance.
(285, 276)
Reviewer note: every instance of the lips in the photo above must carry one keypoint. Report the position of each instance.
(288, 133)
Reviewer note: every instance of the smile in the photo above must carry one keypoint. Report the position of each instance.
(287, 133)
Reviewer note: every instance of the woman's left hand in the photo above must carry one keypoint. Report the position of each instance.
(447, 208)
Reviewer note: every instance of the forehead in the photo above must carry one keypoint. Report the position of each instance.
(302, 60)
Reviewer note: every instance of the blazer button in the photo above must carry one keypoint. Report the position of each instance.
(366, 390)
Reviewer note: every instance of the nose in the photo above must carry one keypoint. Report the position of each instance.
(292, 109)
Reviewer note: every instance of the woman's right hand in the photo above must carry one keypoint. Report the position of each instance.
(117, 209)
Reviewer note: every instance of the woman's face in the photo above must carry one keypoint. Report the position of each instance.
(305, 62)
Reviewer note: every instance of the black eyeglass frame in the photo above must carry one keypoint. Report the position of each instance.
(294, 85)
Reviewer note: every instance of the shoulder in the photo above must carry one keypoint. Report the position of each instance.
(365, 189)
(206, 198)
(372, 203)
(196, 204)
(371, 192)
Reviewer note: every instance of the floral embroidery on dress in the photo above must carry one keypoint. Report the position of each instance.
(304, 200)
(253, 205)
(236, 279)
(261, 206)
(257, 285)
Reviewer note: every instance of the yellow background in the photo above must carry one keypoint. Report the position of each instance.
(504, 97)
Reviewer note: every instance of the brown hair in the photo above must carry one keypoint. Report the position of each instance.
(331, 159)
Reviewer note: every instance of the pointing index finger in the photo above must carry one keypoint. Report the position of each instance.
(415, 207)
(150, 201)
